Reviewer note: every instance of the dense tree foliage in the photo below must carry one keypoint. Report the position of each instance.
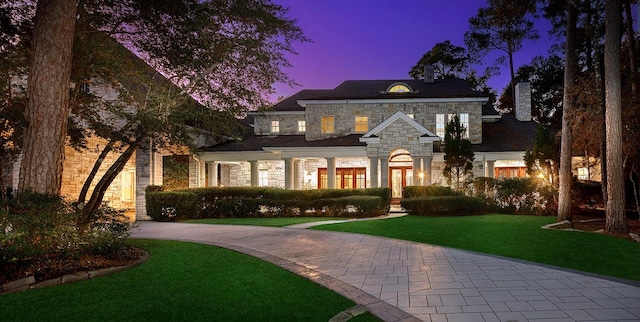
(205, 63)
(503, 25)
(458, 155)
(542, 161)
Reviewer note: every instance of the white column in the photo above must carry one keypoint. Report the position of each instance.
(254, 173)
(331, 173)
(417, 171)
(489, 168)
(288, 173)
(427, 170)
(213, 173)
(297, 175)
(384, 173)
(373, 172)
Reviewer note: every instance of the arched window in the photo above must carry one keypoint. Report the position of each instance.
(398, 88)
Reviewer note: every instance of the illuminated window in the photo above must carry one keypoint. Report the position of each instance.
(328, 124)
(399, 89)
(410, 115)
(440, 125)
(263, 177)
(346, 178)
(275, 126)
(302, 126)
(464, 121)
(583, 174)
(128, 187)
(362, 124)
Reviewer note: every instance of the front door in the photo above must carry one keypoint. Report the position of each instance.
(400, 177)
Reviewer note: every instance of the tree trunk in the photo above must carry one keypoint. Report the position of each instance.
(96, 166)
(48, 94)
(615, 206)
(633, 62)
(570, 67)
(97, 195)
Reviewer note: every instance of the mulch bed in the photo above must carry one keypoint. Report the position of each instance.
(46, 268)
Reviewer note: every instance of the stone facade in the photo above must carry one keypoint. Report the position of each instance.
(288, 124)
(423, 113)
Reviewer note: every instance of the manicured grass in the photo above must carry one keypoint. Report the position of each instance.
(182, 282)
(512, 236)
(271, 222)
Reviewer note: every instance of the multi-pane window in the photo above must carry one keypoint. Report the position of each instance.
(302, 126)
(346, 178)
(275, 126)
(328, 124)
(362, 124)
(583, 174)
(128, 185)
(263, 176)
(464, 121)
(440, 125)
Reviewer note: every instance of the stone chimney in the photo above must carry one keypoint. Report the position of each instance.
(428, 74)
(523, 102)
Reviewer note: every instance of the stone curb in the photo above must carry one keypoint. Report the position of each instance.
(28, 283)
(566, 226)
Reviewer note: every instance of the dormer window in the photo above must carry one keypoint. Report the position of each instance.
(398, 88)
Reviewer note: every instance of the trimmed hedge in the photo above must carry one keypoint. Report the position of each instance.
(429, 191)
(444, 206)
(239, 202)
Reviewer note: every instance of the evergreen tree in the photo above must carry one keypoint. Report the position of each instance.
(458, 157)
(542, 161)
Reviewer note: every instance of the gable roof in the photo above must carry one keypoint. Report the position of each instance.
(375, 89)
(372, 136)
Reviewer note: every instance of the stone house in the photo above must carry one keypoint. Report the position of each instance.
(369, 133)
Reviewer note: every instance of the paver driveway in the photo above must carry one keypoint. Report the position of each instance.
(404, 281)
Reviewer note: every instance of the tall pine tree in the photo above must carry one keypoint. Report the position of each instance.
(458, 156)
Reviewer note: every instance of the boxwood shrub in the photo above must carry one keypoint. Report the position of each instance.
(218, 202)
(444, 206)
(429, 191)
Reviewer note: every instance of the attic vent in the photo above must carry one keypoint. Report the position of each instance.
(398, 88)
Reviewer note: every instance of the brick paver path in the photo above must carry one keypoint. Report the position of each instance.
(408, 281)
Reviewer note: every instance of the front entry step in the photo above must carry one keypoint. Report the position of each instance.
(396, 209)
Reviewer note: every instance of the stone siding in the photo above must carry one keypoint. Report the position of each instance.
(424, 114)
(288, 124)
(78, 164)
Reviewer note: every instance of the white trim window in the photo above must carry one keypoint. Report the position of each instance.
(583, 174)
(464, 121)
(328, 124)
(263, 176)
(302, 126)
(440, 125)
(275, 126)
(362, 124)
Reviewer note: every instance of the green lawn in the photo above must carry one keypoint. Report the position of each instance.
(271, 222)
(511, 236)
(183, 282)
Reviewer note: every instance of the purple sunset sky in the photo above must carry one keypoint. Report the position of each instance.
(381, 39)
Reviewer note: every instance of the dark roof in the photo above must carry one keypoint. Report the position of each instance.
(291, 102)
(507, 134)
(488, 109)
(371, 89)
(257, 142)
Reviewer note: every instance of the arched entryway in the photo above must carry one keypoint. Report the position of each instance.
(400, 171)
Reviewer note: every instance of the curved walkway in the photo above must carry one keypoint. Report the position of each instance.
(408, 281)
